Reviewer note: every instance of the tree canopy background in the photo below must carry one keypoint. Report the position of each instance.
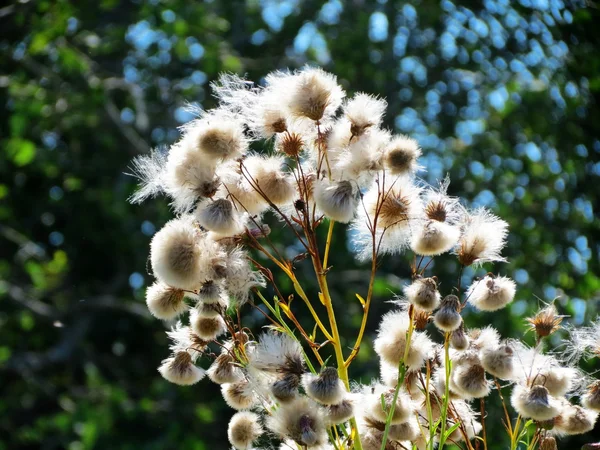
(503, 96)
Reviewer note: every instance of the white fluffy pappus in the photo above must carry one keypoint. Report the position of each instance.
(379, 396)
(433, 238)
(176, 255)
(401, 155)
(301, 420)
(364, 111)
(469, 381)
(591, 396)
(584, 341)
(312, 93)
(180, 369)
(277, 353)
(390, 343)
(491, 293)
(220, 216)
(217, 134)
(207, 328)
(164, 302)
(487, 337)
(239, 395)
(223, 370)
(483, 238)
(338, 199)
(498, 361)
(391, 206)
(265, 175)
(244, 428)
(467, 417)
(423, 293)
(447, 318)
(574, 419)
(325, 388)
(236, 188)
(240, 278)
(188, 176)
(534, 402)
(340, 412)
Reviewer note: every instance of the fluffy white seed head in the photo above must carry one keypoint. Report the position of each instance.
(207, 328)
(340, 412)
(164, 302)
(591, 397)
(498, 361)
(240, 278)
(325, 388)
(188, 176)
(491, 293)
(220, 216)
(558, 380)
(447, 318)
(390, 343)
(277, 353)
(285, 388)
(534, 402)
(459, 339)
(423, 293)
(180, 369)
(301, 420)
(574, 419)
(584, 341)
(364, 111)
(486, 337)
(483, 238)
(218, 136)
(223, 370)
(338, 200)
(377, 405)
(265, 175)
(244, 428)
(434, 238)
(469, 381)
(176, 255)
(239, 395)
(401, 155)
(360, 158)
(313, 94)
(407, 431)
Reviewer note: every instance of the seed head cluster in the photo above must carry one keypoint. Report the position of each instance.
(328, 158)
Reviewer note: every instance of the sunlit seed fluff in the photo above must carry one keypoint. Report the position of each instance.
(574, 419)
(207, 328)
(491, 293)
(164, 302)
(401, 155)
(176, 256)
(238, 395)
(447, 318)
(535, 402)
(434, 238)
(244, 428)
(466, 416)
(384, 397)
(223, 370)
(301, 420)
(364, 111)
(314, 93)
(459, 339)
(483, 238)
(486, 337)
(340, 412)
(558, 380)
(325, 388)
(180, 369)
(210, 292)
(337, 200)
(285, 388)
(220, 216)
(407, 431)
(218, 135)
(423, 293)
(212, 310)
(277, 353)
(240, 278)
(265, 175)
(591, 398)
(470, 380)
(498, 361)
(390, 343)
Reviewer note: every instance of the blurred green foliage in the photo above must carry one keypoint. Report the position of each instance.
(501, 95)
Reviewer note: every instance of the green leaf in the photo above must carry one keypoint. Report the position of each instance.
(21, 151)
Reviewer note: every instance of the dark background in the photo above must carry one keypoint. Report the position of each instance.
(502, 97)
